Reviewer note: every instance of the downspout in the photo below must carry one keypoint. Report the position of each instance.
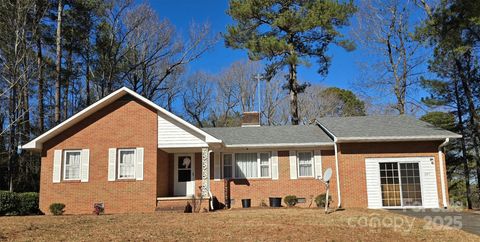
(335, 145)
(442, 174)
(337, 173)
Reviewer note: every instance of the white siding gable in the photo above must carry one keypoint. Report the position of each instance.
(172, 134)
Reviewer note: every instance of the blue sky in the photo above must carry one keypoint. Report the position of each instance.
(182, 12)
(343, 72)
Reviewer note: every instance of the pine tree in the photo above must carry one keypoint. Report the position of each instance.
(288, 34)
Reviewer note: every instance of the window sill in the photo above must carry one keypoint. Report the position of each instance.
(250, 179)
(306, 178)
(126, 180)
(71, 181)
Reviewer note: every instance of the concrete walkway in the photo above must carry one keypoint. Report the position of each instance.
(467, 221)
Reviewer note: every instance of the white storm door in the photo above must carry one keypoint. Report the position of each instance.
(184, 177)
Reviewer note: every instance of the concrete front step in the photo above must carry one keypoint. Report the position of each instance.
(179, 204)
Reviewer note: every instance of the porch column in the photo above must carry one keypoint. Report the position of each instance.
(205, 172)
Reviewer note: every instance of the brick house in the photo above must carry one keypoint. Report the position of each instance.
(131, 155)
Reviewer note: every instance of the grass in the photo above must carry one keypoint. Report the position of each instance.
(237, 225)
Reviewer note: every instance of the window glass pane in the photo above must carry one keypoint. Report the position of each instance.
(227, 172)
(184, 175)
(126, 165)
(305, 164)
(264, 164)
(411, 190)
(390, 184)
(72, 165)
(184, 168)
(227, 166)
(264, 170)
(184, 162)
(227, 159)
(246, 165)
(264, 158)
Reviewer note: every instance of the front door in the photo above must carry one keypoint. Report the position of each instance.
(184, 177)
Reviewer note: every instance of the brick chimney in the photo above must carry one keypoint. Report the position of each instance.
(251, 119)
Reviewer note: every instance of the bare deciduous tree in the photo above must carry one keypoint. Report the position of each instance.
(155, 52)
(385, 29)
(197, 96)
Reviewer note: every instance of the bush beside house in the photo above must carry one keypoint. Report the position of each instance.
(57, 208)
(12, 203)
(290, 200)
(320, 200)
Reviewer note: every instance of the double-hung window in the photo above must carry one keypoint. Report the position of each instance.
(71, 165)
(246, 165)
(305, 163)
(126, 164)
(227, 165)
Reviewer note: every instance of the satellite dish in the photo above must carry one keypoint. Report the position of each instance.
(327, 175)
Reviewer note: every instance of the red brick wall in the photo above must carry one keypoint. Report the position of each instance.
(352, 175)
(352, 165)
(259, 190)
(164, 173)
(123, 124)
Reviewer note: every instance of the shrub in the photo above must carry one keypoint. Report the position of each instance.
(290, 200)
(320, 200)
(8, 201)
(27, 203)
(12, 203)
(57, 208)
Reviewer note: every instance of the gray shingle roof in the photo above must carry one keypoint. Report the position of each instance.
(288, 135)
(383, 127)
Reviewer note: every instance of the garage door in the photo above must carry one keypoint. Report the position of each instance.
(401, 182)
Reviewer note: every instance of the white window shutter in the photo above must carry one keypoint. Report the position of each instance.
(84, 165)
(57, 165)
(216, 166)
(112, 163)
(318, 163)
(293, 165)
(274, 165)
(139, 164)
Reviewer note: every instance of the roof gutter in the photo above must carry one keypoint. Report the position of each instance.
(442, 174)
(335, 143)
(279, 145)
(395, 138)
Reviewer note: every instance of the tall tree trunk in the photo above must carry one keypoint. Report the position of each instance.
(58, 63)
(466, 169)
(12, 132)
(41, 112)
(293, 87)
(87, 77)
(68, 76)
(471, 110)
